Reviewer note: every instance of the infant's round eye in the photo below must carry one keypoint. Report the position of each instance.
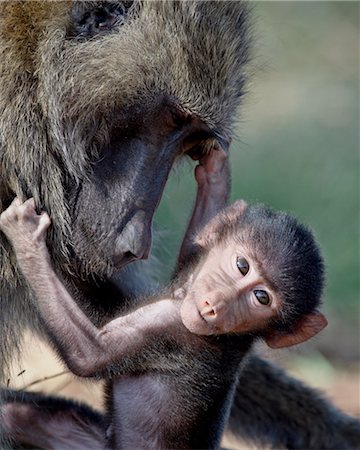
(242, 265)
(262, 297)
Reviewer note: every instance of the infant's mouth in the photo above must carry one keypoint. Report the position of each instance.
(202, 317)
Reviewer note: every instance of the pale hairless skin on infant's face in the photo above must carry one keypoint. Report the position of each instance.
(190, 341)
(222, 299)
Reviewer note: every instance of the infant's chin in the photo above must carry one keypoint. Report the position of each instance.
(197, 328)
(192, 319)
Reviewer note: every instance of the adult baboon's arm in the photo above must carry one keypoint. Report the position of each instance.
(272, 408)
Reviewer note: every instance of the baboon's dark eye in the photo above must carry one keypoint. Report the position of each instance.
(242, 265)
(262, 297)
(91, 19)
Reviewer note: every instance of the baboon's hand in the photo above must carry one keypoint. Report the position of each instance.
(24, 228)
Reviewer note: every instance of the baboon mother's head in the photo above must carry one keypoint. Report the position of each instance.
(99, 99)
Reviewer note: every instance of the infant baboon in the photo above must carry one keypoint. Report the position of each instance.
(254, 274)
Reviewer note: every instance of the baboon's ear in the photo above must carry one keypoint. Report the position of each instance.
(210, 233)
(235, 210)
(304, 329)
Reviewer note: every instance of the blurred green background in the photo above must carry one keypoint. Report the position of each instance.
(298, 145)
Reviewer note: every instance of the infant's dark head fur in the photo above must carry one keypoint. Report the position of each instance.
(285, 251)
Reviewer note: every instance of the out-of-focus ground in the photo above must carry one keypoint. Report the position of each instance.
(298, 150)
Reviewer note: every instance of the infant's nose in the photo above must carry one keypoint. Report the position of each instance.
(208, 311)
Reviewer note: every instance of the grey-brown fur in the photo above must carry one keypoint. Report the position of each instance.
(55, 101)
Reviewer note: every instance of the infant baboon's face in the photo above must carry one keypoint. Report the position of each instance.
(228, 294)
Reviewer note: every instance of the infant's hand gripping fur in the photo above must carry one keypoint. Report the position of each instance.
(25, 229)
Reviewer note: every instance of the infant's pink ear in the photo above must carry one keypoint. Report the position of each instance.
(236, 209)
(304, 329)
(207, 236)
(211, 231)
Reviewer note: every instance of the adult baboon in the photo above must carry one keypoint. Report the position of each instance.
(97, 102)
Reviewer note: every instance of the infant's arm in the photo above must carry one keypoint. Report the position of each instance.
(213, 180)
(85, 348)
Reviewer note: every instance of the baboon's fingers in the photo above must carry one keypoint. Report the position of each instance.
(216, 145)
(11, 213)
(29, 206)
(30, 202)
(223, 146)
(40, 232)
(27, 209)
(16, 202)
(45, 221)
(221, 153)
(215, 161)
(216, 153)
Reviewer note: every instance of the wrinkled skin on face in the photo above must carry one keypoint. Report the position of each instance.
(223, 300)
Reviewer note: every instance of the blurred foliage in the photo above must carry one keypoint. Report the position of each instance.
(298, 145)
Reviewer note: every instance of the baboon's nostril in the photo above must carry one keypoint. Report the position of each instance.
(208, 310)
